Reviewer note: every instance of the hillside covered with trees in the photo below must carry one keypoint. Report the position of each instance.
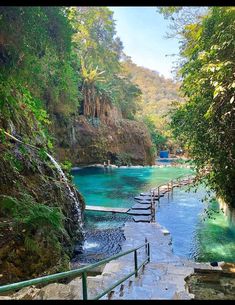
(158, 95)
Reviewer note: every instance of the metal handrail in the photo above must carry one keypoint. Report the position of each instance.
(83, 271)
(171, 181)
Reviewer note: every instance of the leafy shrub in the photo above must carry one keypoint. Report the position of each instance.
(123, 159)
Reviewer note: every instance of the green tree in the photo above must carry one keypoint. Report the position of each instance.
(158, 137)
(103, 76)
(205, 123)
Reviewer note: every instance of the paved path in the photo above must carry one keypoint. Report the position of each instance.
(163, 277)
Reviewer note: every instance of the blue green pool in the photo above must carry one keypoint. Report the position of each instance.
(116, 187)
(199, 230)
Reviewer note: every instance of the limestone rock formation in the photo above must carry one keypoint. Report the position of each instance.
(86, 139)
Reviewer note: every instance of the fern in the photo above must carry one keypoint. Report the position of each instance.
(32, 215)
(30, 244)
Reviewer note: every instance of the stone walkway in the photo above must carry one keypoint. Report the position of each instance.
(162, 278)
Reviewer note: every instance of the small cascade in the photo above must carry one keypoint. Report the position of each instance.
(71, 193)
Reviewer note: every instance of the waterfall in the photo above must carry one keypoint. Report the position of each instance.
(71, 193)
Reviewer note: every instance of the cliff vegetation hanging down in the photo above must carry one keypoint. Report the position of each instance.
(63, 96)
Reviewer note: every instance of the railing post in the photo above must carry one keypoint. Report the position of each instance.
(136, 263)
(148, 253)
(153, 206)
(84, 285)
(158, 192)
(146, 245)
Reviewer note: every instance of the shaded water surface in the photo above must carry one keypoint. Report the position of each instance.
(103, 237)
(116, 187)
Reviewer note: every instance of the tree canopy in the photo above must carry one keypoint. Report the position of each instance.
(52, 58)
(205, 123)
(158, 94)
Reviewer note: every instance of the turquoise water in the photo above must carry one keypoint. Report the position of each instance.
(116, 187)
(199, 230)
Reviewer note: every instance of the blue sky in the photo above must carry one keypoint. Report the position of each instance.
(142, 31)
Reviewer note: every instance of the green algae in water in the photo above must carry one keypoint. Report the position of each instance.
(216, 236)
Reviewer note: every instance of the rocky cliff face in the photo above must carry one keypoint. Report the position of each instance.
(39, 219)
(87, 139)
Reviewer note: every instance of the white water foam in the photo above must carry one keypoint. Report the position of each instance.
(88, 245)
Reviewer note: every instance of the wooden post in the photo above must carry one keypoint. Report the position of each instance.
(148, 253)
(153, 207)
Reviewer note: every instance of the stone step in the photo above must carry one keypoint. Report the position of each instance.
(143, 201)
(142, 218)
(137, 293)
(149, 195)
(139, 212)
(139, 206)
(146, 198)
(145, 194)
(163, 191)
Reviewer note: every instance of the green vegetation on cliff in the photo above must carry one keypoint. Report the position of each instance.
(35, 46)
(58, 64)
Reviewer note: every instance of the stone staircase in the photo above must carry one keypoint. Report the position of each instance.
(162, 279)
(156, 281)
